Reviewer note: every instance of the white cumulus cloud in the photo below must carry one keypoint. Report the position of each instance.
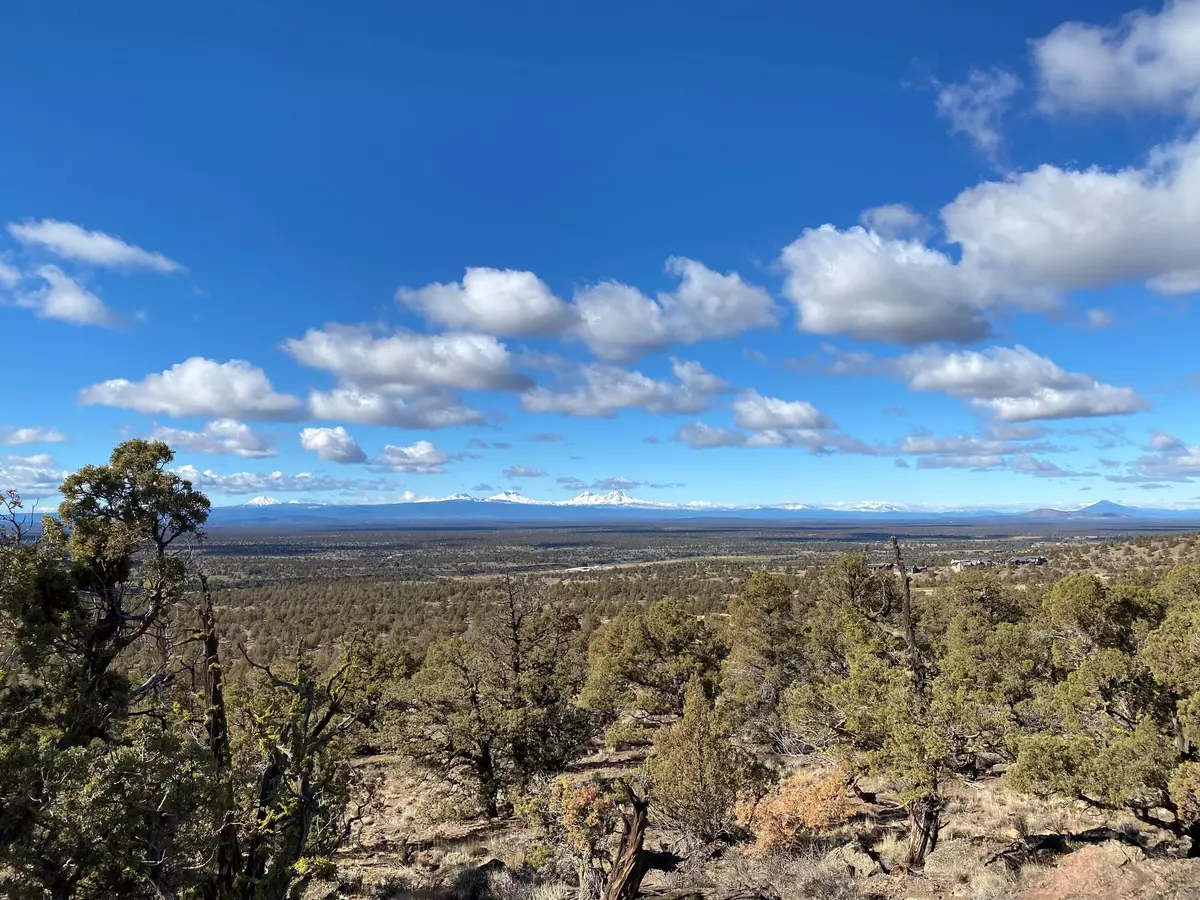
(198, 387)
(332, 445)
(404, 363)
(493, 301)
(859, 283)
(220, 436)
(758, 413)
(1016, 384)
(619, 323)
(601, 391)
(65, 299)
(1145, 61)
(436, 409)
(1056, 230)
(421, 458)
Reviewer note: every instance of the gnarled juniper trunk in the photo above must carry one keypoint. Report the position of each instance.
(924, 823)
(629, 864)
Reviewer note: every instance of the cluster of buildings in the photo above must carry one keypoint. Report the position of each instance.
(1016, 562)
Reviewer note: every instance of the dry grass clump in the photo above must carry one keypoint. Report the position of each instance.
(892, 849)
(804, 876)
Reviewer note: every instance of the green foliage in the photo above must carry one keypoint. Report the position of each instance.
(765, 654)
(696, 772)
(496, 707)
(640, 663)
(575, 824)
(1112, 723)
(124, 770)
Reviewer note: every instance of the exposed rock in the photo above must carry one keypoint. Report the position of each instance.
(1108, 871)
(857, 860)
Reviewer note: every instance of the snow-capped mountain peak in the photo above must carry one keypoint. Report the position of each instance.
(877, 506)
(509, 496)
(612, 498)
(262, 501)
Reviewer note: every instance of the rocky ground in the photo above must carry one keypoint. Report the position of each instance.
(995, 845)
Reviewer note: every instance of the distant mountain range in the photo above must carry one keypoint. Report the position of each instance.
(512, 507)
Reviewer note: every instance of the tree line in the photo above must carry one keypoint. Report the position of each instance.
(144, 752)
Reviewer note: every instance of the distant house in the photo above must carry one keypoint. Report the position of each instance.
(1027, 561)
(959, 564)
(882, 567)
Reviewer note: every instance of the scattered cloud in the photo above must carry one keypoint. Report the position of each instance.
(31, 476)
(421, 458)
(12, 436)
(1145, 61)
(650, 439)
(700, 436)
(1017, 385)
(66, 300)
(500, 445)
(483, 486)
(1100, 318)
(1163, 442)
(70, 241)
(619, 323)
(1030, 465)
(546, 437)
(602, 390)
(10, 277)
(616, 484)
(874, 288)
(1024, 241)
(967, 445)
(896, 221)
(1179, 462)
(220, 436)
(755, 412)
(1016, 431)
(1106, 437)
(332, 445)
(523, 472)
(900, 463)
(273, 483)
(198, 387)
(976, 106)
(1001, 447)
(493, 301)
(431, 410)
(1050, 230)
(478, 444)
(976, 463)
(405, 364)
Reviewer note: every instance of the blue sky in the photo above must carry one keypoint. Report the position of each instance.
(740, 253)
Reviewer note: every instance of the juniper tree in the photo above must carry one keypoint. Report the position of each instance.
(640, 663)
(493, 708)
